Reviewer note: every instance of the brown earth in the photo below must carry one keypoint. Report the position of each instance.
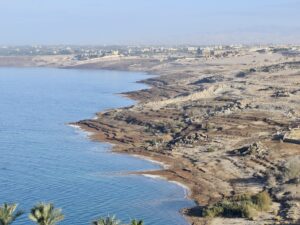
(218, 124)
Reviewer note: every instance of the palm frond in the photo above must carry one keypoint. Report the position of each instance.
(109, 220)
(137, 222)
(45, 214)
(8, 213)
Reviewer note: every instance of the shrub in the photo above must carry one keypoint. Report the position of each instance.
(210, 149)
(213, 211)
(249, 212)
(292, 169)
(244, 205)
(262, 201)
(232, 209)
(246, 197)
(226, 208)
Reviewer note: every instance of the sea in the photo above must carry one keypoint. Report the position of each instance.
(44, 159)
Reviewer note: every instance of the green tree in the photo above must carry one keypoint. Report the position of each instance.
(9, 213)
(137, 222)
(45, 214)
(109, 220)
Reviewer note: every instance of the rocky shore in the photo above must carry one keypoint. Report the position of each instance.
(224, 126)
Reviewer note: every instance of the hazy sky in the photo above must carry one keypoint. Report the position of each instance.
(149, 21)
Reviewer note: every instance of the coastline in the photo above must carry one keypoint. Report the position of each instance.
(146, 173)
(212, 121)
(155, 159)
(187, 191)
(168, 171)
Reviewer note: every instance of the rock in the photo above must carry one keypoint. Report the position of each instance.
(228, 108)
(208, 80)
(293, 136)
(241, 74)
(189, 139)
(281, 94)
(253, 149)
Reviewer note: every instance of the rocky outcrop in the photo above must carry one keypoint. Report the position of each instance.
(190, 139)
(281, 94)
(293, 136)
(253, 149)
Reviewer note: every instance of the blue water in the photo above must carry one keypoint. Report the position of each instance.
(44, 159)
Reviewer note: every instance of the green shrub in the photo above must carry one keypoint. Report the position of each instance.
(224, 208)
(210, 149)
(246, 197)
(232, 209)
(244, 205)
(213, 211)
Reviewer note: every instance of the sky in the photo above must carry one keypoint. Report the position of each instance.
(156, 22)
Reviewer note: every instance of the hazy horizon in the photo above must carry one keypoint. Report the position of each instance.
(142, 22)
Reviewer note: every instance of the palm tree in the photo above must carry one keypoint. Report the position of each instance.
(45, 214)
(137, 222)
(8, 213)
(109, 220)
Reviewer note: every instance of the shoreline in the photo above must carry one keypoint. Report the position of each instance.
(164, 164)
(166, 173)
(146, 173)
(161, 164)
(186, 189)
(212, 121)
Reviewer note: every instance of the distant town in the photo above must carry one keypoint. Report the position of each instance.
(81, 53)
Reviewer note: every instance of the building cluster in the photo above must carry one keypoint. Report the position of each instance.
(92, 52)
(35, 50)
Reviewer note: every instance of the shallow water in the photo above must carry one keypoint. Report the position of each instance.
(43, 159)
